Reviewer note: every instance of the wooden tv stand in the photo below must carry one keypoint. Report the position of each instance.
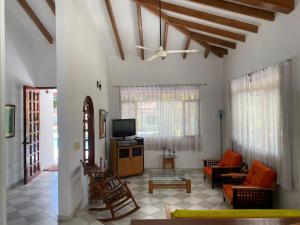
(127, 159)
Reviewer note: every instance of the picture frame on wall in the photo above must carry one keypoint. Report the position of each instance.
(10, 116)
(102, 121)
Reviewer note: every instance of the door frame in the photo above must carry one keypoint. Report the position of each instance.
(26, 87)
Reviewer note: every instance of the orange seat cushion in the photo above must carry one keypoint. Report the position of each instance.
(227, 188)
(207, 171)
(260, 175)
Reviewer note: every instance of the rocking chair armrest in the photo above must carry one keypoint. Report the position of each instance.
(253, 188)
(111, 179)
(110, 192)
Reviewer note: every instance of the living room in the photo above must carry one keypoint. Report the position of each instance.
(187, 108)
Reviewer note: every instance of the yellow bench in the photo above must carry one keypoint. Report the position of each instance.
(240, 213)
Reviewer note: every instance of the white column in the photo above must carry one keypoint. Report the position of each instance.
(2, 122)
(64, 177)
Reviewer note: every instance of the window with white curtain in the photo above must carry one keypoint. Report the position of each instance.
(167, 116)
(261, 119)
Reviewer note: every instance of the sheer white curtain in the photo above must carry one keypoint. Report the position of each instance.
(167, 116)
(261, 119)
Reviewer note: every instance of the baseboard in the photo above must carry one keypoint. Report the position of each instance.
(62, 218)
(14, 185)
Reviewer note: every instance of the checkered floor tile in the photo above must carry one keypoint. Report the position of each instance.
(37, 203)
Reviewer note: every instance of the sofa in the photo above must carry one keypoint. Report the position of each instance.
(231, 162)
(250, 191)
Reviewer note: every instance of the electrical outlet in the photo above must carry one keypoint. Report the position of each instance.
(76, 146)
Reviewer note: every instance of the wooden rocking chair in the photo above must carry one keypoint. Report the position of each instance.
(114, 193)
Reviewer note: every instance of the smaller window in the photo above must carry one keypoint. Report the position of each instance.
(88, 131)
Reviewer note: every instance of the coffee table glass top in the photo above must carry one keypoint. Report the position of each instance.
(168, 175)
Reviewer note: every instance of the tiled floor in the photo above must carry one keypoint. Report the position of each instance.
(37, 204)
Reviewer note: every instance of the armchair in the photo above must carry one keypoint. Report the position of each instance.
(250, 191)
(231, 162)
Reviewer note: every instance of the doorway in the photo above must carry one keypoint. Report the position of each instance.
(40, 131)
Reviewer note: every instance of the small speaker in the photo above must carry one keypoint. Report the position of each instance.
(140, 141)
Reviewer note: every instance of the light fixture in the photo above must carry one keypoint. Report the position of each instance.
(99, 85)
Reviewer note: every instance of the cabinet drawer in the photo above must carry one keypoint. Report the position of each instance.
(137, 151)
(124, 153)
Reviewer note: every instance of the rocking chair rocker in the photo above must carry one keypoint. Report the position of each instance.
(114, 193)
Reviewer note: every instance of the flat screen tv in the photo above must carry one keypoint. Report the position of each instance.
(123, 127)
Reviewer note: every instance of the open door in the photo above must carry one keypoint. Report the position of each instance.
(31, 137)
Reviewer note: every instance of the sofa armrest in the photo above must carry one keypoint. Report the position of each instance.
(253, 188)
(234, 175)
(211, 162)
(217, 171)
(234, 178)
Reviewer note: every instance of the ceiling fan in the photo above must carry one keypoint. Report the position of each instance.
(161, 52)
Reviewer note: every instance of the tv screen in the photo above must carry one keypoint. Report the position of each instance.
(124, 127)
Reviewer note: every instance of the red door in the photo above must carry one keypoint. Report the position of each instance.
(31, 133)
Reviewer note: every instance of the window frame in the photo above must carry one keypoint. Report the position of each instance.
(88, 112)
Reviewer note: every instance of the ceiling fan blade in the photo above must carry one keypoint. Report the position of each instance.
(152, 58)
(145, 48)
(182, 51)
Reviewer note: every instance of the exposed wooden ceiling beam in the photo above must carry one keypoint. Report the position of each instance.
(36, 20)
(204, 16)
(237, 8)
(218, 51)
(140, 26)
(213, 40)
(186, 46)
(165, 40)
(215, 49)
(51, 4)
(115, 28)
(282, 6)
(208, 29)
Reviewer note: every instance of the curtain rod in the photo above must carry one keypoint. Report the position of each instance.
(199, 84)
(249, 74)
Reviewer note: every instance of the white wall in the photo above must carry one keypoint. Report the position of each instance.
(46, 129)
(44, 63)
(175, 70)
(275, 42)
(80, 63)
(19, 72)
(3, 219)
(28, 62)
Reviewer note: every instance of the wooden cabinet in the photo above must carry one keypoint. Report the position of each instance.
(127, 160)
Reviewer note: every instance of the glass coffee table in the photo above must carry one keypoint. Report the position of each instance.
(169, 178)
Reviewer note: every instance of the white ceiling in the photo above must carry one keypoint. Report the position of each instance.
(126, 18)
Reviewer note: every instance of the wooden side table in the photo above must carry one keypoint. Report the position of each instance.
(169, 162)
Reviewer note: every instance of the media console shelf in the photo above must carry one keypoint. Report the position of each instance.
(127, 159)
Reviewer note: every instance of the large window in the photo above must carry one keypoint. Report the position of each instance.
(261, 119)
(166, 116)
